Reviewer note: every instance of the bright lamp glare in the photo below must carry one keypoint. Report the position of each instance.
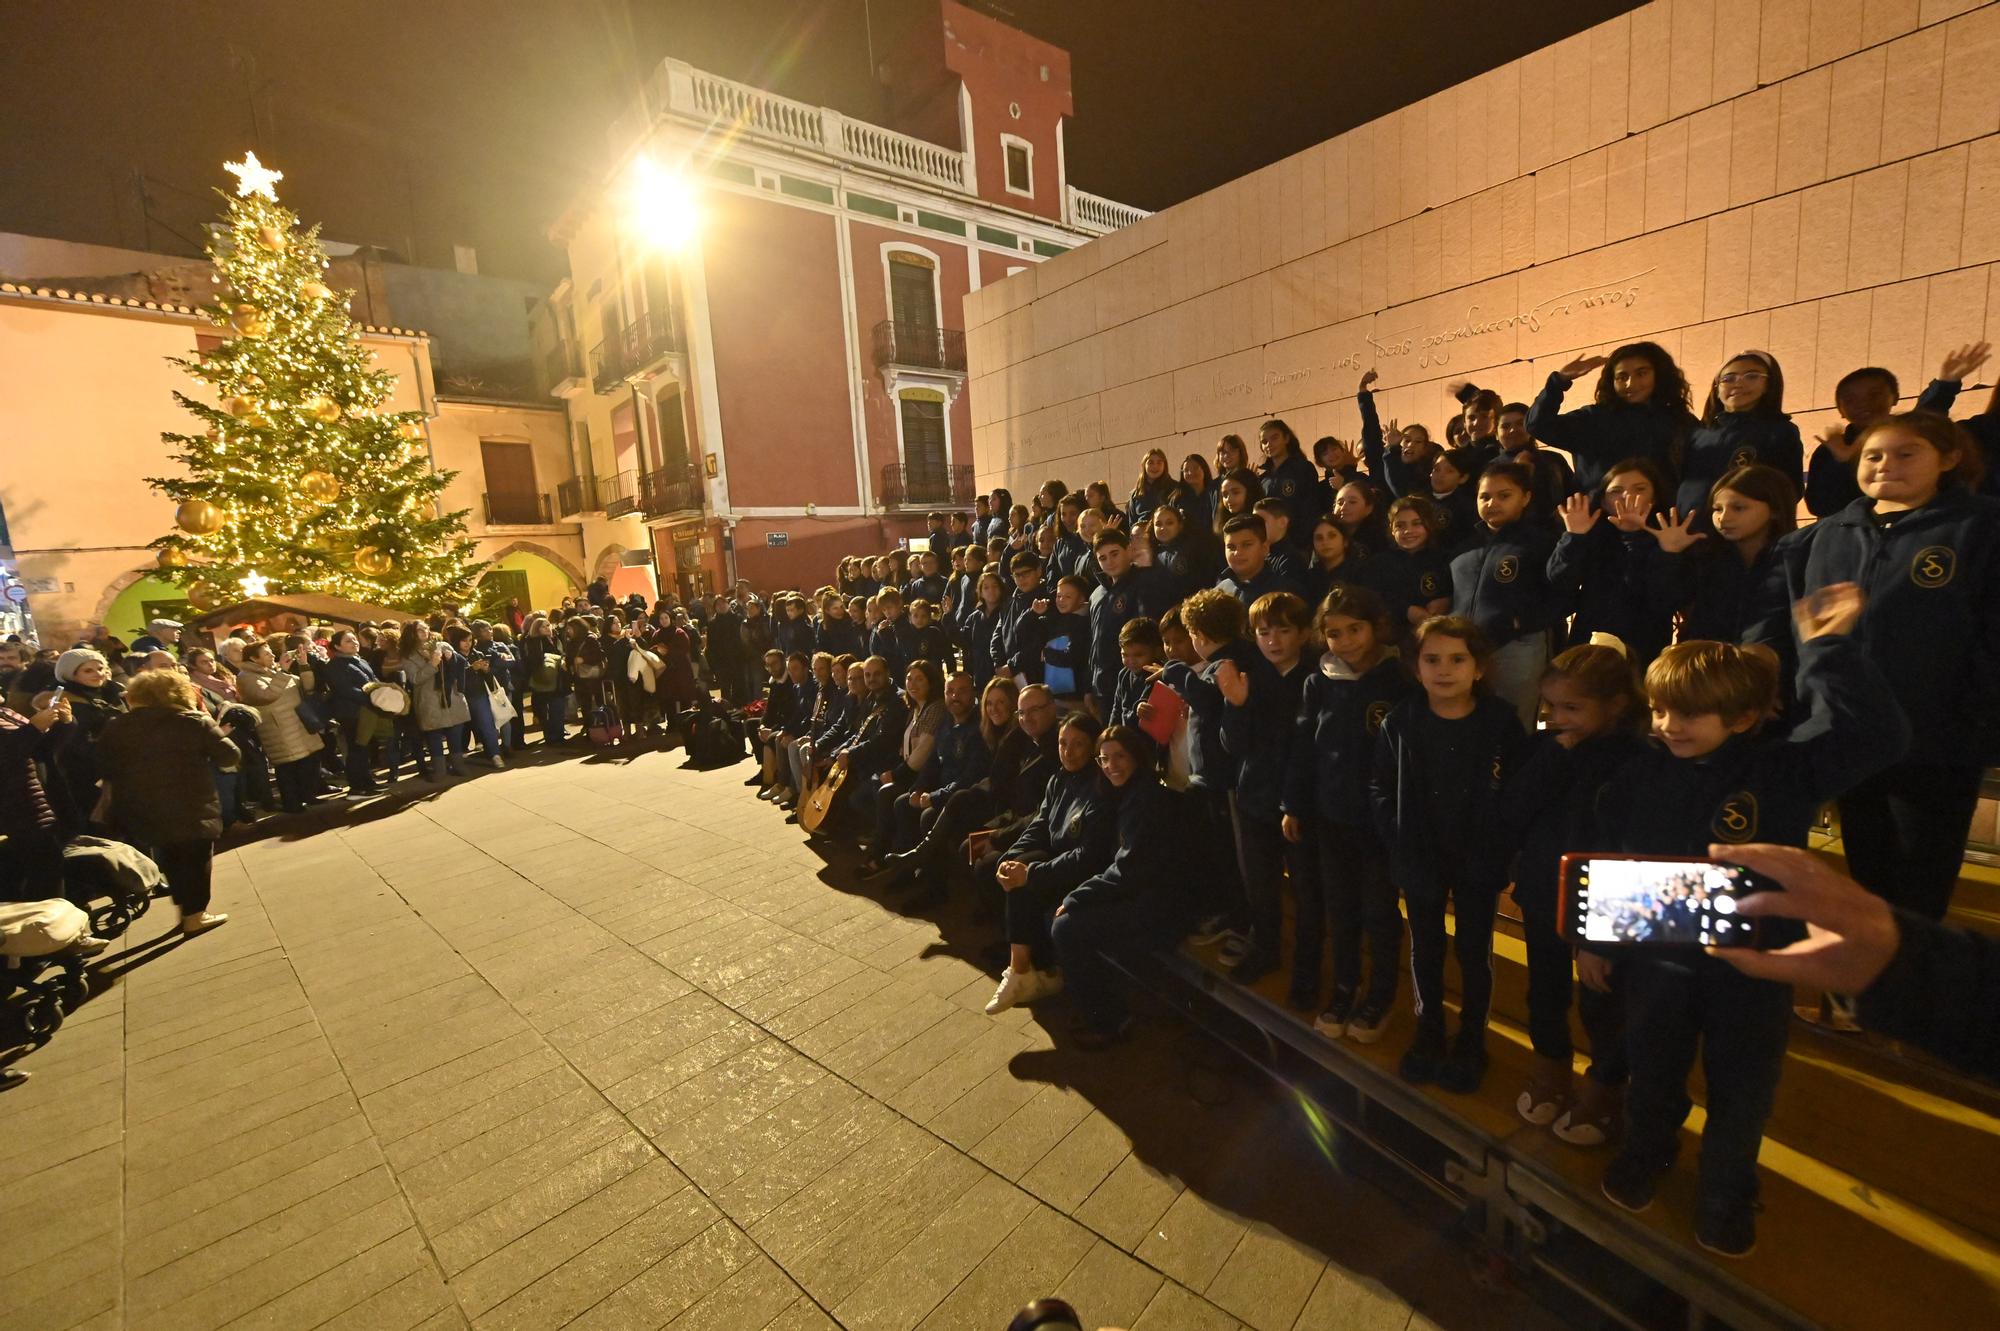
(664, 209)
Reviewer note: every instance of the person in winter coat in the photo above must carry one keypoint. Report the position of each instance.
(436, 676)
(156, 759)
(94, 698)
(1743, 424)
(347, 677)
(32, 869)
(1639, 409)
(276, 694)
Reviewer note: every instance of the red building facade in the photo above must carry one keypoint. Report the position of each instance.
(788, 385)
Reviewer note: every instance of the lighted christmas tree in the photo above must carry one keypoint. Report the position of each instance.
(297, 479)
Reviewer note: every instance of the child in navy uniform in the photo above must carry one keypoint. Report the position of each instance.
(1327, 770)
(1743, 424)
(1639, 409)
(1127, 592)
(1250, 574)
(892, 638)
(1502, 586)
(1596, 718)
(1141, 651)
(1716, 778)
(925, 639)
(1455, 498)
(1063, 641)
(1259, 715)
(1926, 549)
(1215, 622)
(1614, 567)
(1413, 574)
(1439, 766)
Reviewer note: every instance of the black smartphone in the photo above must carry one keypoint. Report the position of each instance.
(1611, 900)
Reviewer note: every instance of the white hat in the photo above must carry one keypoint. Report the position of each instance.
(75, 659)
(155, 625)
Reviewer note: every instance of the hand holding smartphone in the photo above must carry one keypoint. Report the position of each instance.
(1612, 900)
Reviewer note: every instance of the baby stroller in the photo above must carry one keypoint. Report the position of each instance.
(41, 968)
(118, 875)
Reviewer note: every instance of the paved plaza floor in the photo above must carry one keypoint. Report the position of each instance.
(605, 1044)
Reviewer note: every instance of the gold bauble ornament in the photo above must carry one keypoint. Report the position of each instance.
(198, 517)
(205, 595)
(239, 407)
(319, 486)
(316, 291)
(243, 313)
(255, 328)
(411, 431)
(373, 561)
(321, 408)
(271, 238)
(169, 557)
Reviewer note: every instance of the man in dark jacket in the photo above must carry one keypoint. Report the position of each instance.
(346, 677)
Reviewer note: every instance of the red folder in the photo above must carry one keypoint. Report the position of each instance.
(1168, 709)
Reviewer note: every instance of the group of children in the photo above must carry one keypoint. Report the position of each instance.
(1428, 672)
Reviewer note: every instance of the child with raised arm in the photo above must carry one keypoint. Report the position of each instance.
(1718, 776)
(1439, 766)
(1325, 798)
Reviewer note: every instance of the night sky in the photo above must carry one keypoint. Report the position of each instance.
(414, 124)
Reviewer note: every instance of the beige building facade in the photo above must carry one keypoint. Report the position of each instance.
(1816, 178)
(86, 389)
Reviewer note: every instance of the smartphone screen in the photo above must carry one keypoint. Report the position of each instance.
(1613, 901)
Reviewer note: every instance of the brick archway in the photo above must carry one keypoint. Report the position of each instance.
(569, 570)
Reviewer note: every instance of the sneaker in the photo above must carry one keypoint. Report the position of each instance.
(1252, 966)
(1209, 929)
(88, 945)
(1018, 987)
(1424, 1059)
(1332, 1023)
(1369, 1021)
(1547, 1094)
(1465, 1067)
(1593, 1119)
(201, 922)
(1236, 945)
(1728, 1231)
(1631, 1183)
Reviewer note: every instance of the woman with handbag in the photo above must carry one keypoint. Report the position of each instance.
(436, 676)
(156, 760)
(290, 743)
(548, 681)
(484, 698)
(347, 676)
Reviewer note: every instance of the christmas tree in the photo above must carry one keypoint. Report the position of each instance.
(297, 479)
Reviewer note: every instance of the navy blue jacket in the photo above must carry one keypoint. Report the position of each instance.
(1502, 583)
(1044, 630)
(960, 759)
(1133, 687)
(795, 635)
(1331, 759)
(1005, 645)
(805, 701)
(840, 637)
(1142, 591)
(877, 739)
(836, 723)
(931, 643)
(1549, 806)
(926, 587)
(1295, 483)
(1071, 557)
(895, 642)
(1597, 438)
(1268, 580)
(1399, 792)
(1198, 509)
(1258, 735)
(1555, 480)
(1151, 859)
(1458, 517)
(346, 678)
(1072, 834)
(1725, 600)
(1209, 765)
(1190, 561)
(1933, 617)
(1617, 582)
(1766, 786)
(1141, 503)
(1737, 439)
(977, 630)
(1386, 465)
(1405, 580)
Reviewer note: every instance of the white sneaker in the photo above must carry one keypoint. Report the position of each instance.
(1021, 987)
(201, 922)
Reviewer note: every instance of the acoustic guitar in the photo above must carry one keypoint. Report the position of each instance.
(817, 806)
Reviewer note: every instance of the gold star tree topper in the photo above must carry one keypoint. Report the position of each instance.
(253, 177)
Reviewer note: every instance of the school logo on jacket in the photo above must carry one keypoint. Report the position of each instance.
(1070, 827)
(1376, 711)
(1508, 569)
(1736, 819)
(1743, 456)
(1286, 488)
(1121, 603)
(1428, 585)
(1443, 517)
(1934, 566)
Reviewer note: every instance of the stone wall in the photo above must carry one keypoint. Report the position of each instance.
(1816, 178)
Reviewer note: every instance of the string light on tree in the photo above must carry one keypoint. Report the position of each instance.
(296, 471)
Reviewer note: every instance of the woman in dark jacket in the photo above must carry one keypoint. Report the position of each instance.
(94, 698)
(544, 675)
(31, 870)
(156, 759)
(1186, 550)
(1137, 903)
(1156, 486)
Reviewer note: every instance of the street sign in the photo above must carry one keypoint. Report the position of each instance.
(17, 593)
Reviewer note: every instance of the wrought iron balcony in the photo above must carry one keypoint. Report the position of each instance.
(925, 485)
(562, 363)
(620, 493)
(518, 508)
(637, 348)
(917, 347)
(671, 490)
(577, 495)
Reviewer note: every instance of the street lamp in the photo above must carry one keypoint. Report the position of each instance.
(664, 207)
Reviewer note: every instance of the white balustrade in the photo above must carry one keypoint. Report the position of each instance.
(1095, 213)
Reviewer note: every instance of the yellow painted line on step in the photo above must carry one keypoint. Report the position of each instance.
(1932, 1106)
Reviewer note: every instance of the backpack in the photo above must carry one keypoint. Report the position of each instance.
(604, 727)
(716, 744)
